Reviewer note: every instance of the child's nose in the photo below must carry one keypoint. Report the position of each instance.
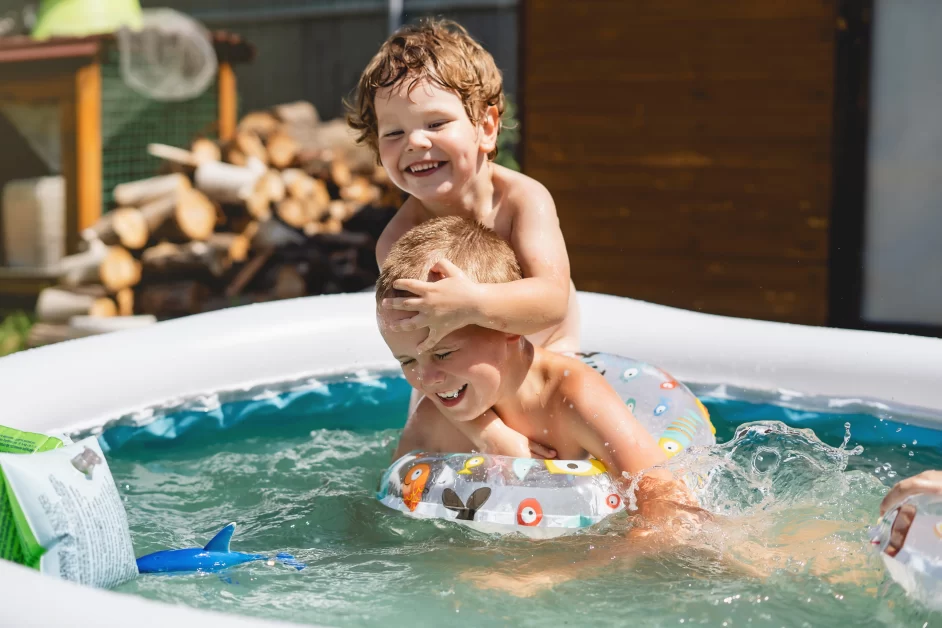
(431, 375)
(418, 140)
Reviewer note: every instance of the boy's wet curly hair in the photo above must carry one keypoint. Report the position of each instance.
(439, 50)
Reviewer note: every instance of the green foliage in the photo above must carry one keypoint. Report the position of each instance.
(13, 332)
(509, 137)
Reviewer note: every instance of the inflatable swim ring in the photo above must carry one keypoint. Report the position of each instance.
(544, 498)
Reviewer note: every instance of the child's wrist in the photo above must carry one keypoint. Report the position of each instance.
(474, 312)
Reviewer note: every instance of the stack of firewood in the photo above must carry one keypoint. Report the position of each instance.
(291, 206)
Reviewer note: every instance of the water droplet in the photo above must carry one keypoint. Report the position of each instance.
(546, 431)
(898, 430)
(606, 444)
(891, 474)
(915, 442)
(904, 445)
(565, 373)
(887, 465)
(911, 454)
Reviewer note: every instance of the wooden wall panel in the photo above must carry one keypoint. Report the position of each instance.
(687, 146)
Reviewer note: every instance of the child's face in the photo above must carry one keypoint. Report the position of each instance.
(427, 143)
(461, 375)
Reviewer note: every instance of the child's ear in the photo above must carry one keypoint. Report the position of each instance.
(490, 124)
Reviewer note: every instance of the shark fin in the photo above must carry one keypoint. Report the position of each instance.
(220, 542)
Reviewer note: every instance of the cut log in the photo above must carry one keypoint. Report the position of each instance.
(104, 325)
(249, 143)
(119, 269)
(159, 210)
(329, 141)
(274, 185)
(300, 112)
(235, 156)
(80, 268)
(298, 183)
(175, 155)
(380, 176)
(182, 260)
(41, 334)
(258, 204)
(293, 212)
(195, 215)
(360, 191)
(321, 196)
(274, 234)
(236, 245)
(227, 183)
(204, 150)
(168, 300)
(332, 225)
(187, 215)
(125, 226)
(337, 211)
(262, 123)
(125, 300)
(137, 193)
(315, 210)
(282, 149)
(340, 173)
(313, 228)
(56, 305)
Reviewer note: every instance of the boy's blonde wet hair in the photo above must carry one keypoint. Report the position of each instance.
(480, 253)
(439, 50)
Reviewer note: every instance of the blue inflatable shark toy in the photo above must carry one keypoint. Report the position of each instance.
(216, 556)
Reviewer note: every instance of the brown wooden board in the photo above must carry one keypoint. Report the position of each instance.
(687, 146)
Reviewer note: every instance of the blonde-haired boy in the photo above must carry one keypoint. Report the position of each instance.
(429, 103)
(494, 391)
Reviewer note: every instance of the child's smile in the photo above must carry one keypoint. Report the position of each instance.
(427, 143)
(461, 375)
(425, 168)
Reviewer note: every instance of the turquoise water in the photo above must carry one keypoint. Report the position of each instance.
(297, 471)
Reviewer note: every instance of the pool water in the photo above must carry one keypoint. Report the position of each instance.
(297, 468)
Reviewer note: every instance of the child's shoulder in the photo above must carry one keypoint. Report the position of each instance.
(567, 375)
(519, 189)
(409, 215)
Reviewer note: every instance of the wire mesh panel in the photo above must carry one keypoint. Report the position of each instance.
(131, 121)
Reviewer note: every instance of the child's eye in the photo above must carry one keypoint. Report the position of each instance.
(393, 134)
(406, 362)
(436, 125)
(442, 356)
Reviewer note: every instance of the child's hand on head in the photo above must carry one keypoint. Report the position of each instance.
(443, 305)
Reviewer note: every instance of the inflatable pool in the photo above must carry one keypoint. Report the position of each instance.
(81, 386)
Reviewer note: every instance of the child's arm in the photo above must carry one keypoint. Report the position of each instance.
(490, 435)
(604, 426)
(487, 433)
(525, 306)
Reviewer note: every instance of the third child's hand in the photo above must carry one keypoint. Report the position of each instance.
(443, 305)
